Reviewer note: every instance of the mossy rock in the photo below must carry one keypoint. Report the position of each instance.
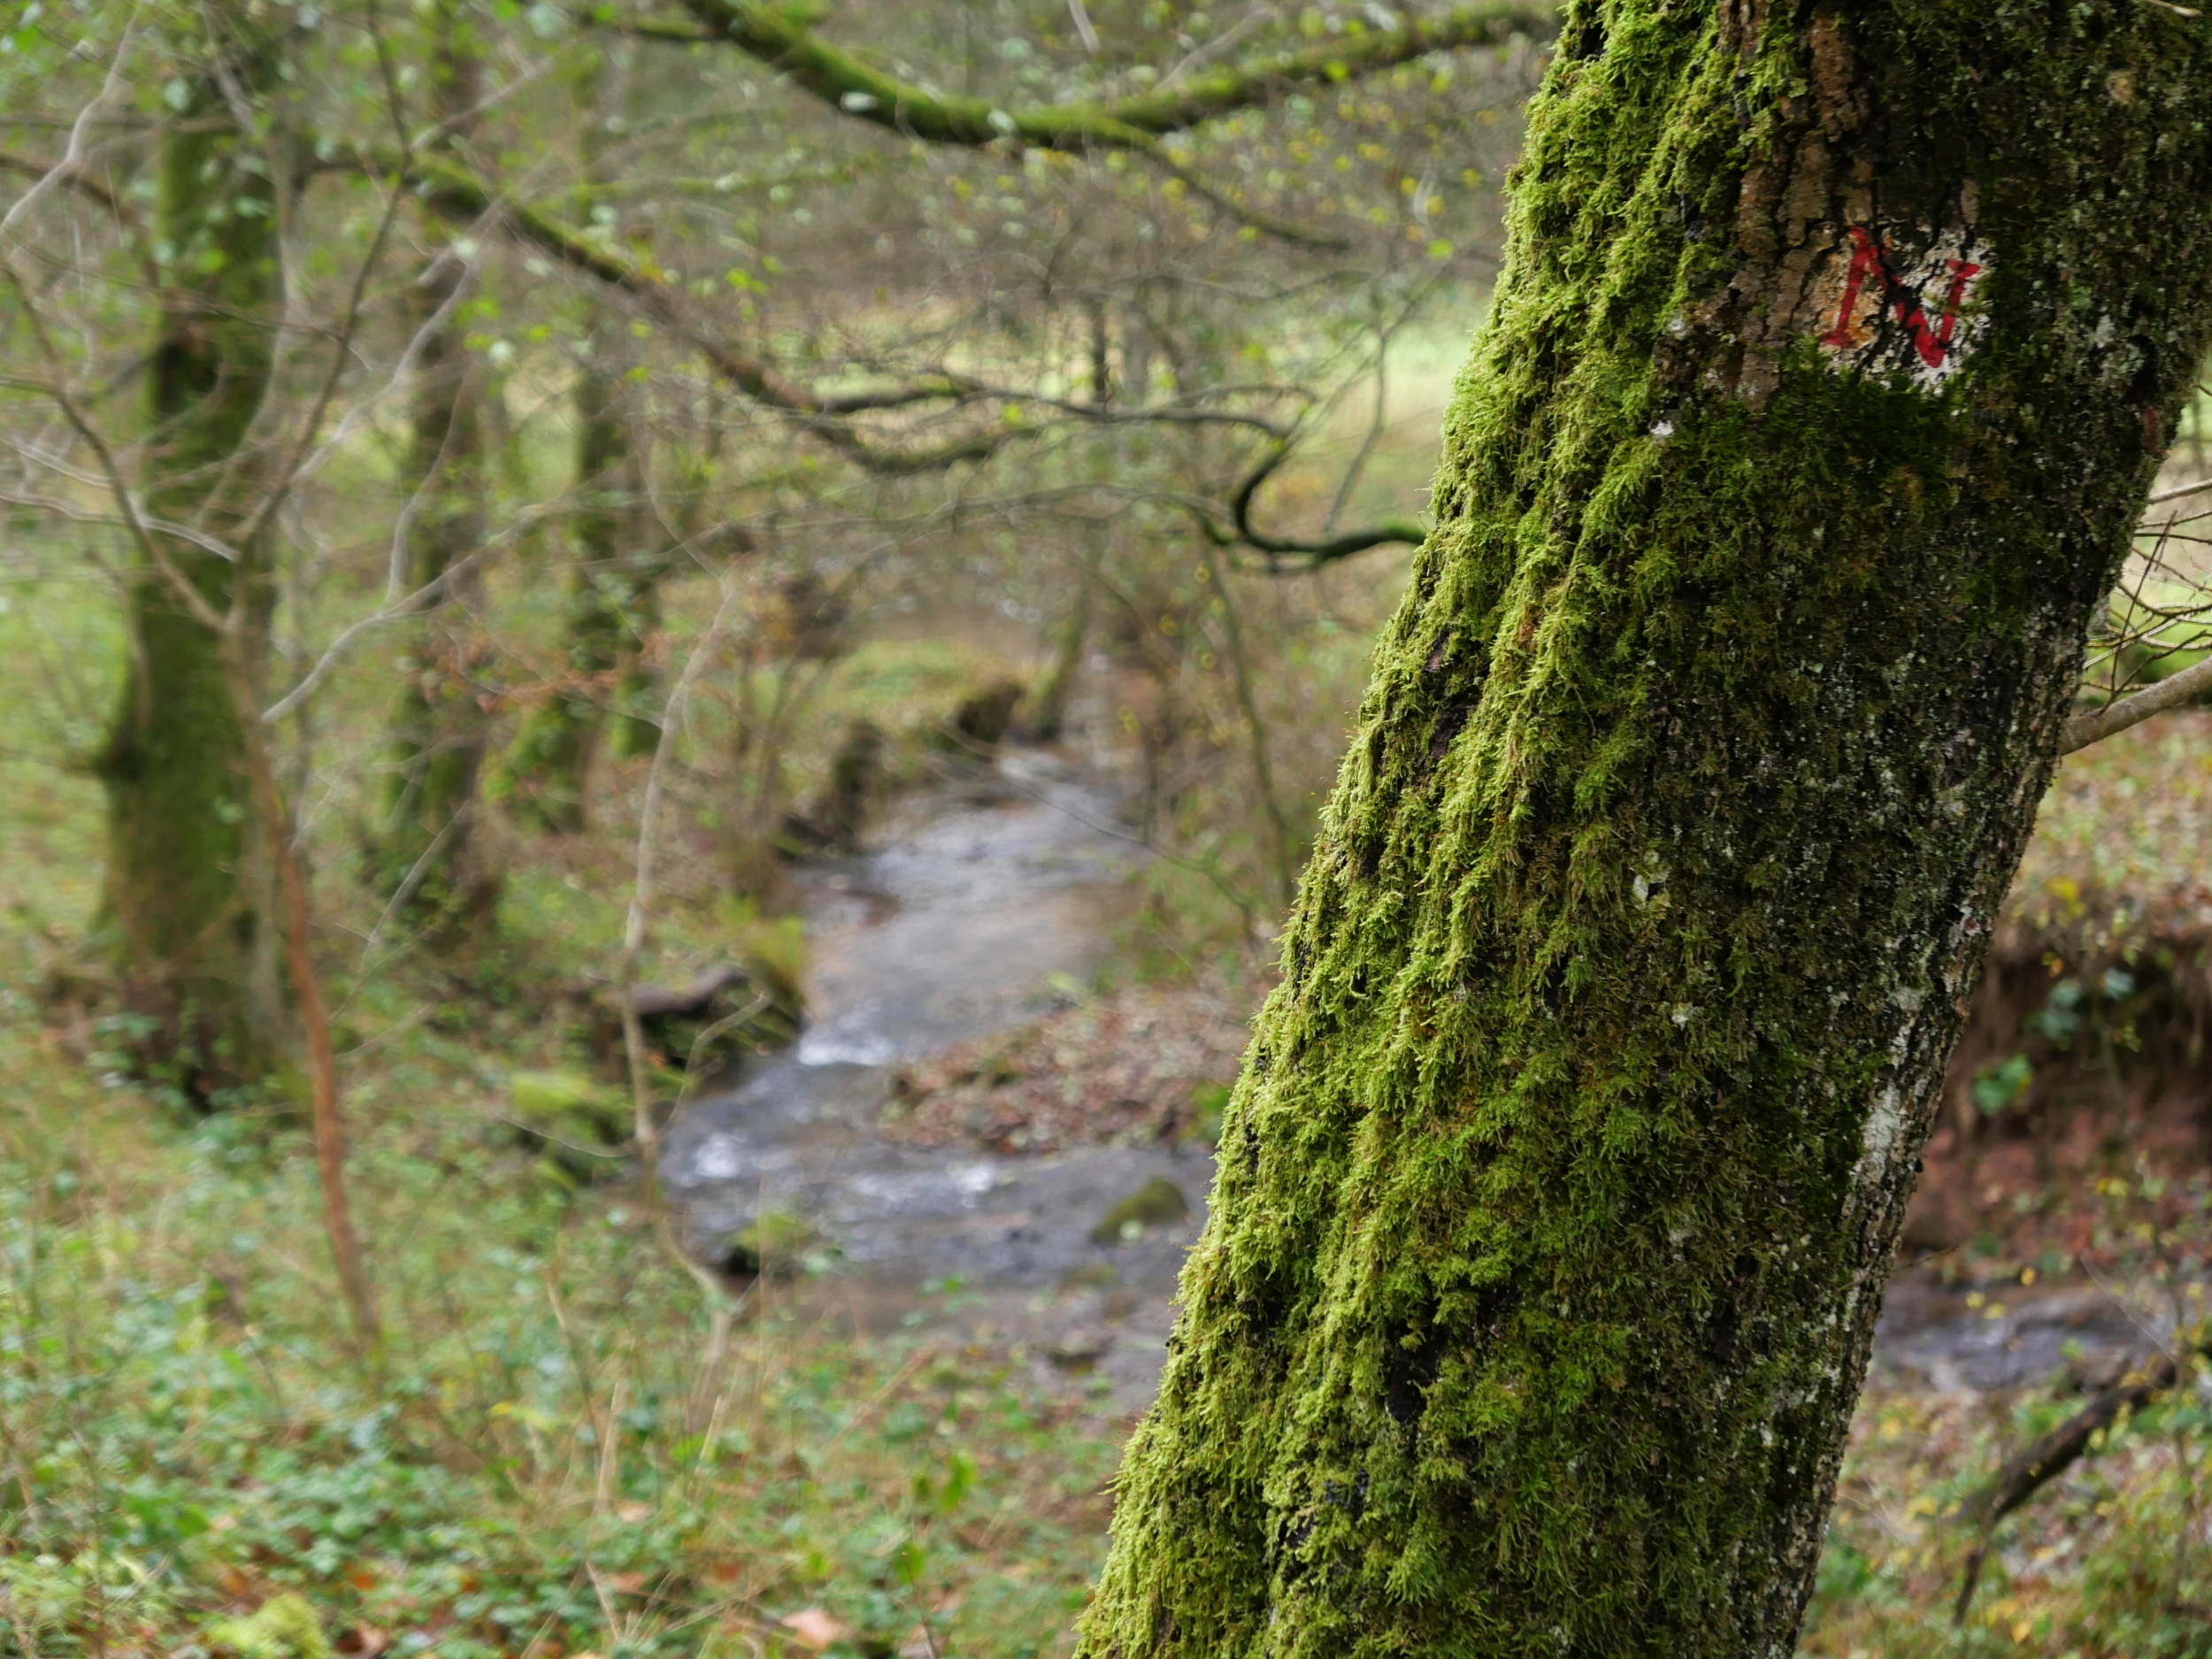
(776, 1246)
(736, 1009)
(1159, 1202)
(981, 721)
(578, 1124)
(284, 1627)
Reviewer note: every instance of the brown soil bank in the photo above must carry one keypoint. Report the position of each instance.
(2086, 1051)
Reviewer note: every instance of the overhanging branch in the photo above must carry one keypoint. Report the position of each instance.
(1311, 555)
(2094, 724)
(782, 39)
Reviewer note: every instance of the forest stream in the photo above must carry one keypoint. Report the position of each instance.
(988, 902)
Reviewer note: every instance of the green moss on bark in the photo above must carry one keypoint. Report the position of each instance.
(183, 874)
(614, 592)
(612, 601)
(428, 854)
(1557, 1195)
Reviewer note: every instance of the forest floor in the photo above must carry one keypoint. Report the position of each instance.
(547, 1455)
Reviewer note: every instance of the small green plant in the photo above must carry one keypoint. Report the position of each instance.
(2060, 1018)
(2002, 1083)
(284, 1628)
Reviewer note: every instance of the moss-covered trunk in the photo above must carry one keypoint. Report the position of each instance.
(610, 588)
(1833, 357)
(1048, 715)
(613, 591)
(427, 854)
(187, 882)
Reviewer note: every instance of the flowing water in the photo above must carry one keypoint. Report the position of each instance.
(991, 900)
(989, 905)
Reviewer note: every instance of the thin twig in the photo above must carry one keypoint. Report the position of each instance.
(2095, 724)
(720, 1312)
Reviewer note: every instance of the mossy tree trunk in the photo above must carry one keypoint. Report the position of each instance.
(187, 891)
(1049, 717)
(428, 854)
(1831, 362)
(611, 596)
(613, 592)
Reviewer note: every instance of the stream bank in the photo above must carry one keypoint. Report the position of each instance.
(991, 900)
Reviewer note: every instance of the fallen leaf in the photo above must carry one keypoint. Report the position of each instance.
(813, 1627)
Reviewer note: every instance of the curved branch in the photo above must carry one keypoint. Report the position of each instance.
(1311, 555)
(782, 38)
(2094, 724)
(452, 190)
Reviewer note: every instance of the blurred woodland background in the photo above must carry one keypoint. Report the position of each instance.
(500, 498)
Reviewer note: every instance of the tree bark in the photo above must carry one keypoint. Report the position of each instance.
(185, 889)
(425, 845)
(613, 596)
(1830, 368)
(1049, 716)
(611, 591)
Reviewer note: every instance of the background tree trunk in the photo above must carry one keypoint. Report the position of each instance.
(425, 845)
(551, 759)
(1048, 714)
(184, 892)
(1830, 368)
(613, 597)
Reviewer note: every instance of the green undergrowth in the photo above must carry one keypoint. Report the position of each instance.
(2109, 1559)
(536, 1462)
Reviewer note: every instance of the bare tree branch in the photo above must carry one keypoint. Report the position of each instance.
(782, 39)
(2049, 1456)
(2094, 724)
(1311, 554)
